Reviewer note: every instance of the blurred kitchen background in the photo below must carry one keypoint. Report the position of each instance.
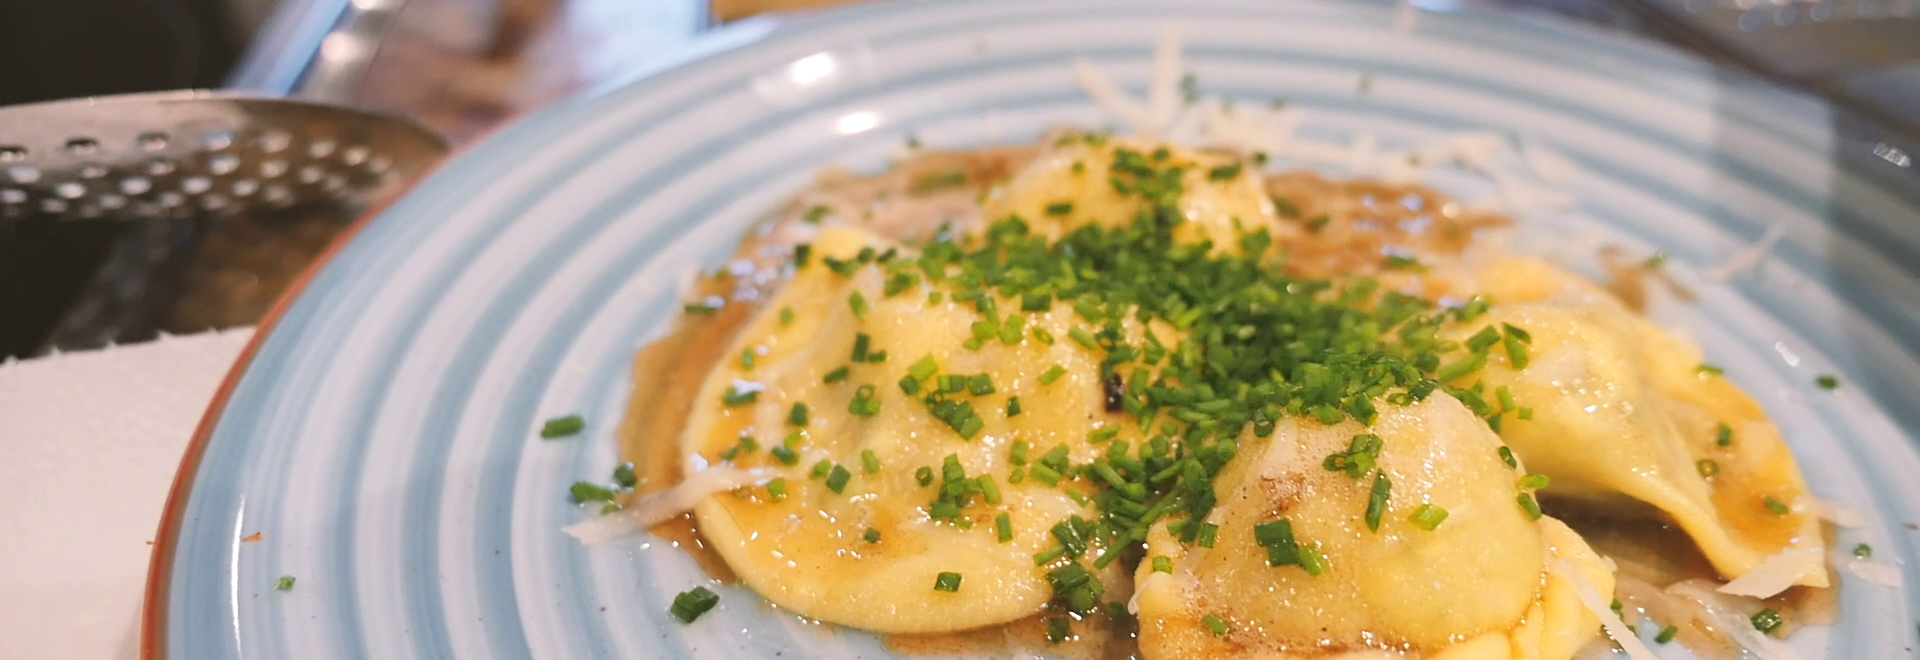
(463, 67)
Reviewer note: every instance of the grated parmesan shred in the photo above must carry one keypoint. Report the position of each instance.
(1830, 511)
(1590, 598)
(1776, 573)
(664, 505)
(1749, 256)
(1885, 575)
(1724, 614)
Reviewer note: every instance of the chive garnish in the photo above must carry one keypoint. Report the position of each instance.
(1666, 635)
(1529, 505)
(837, 479)
(785, 455)
(587, 491)
(285, 583)
(1863, 551)
(777, 489)
(1003, 527)
(1778, 507)
(836, 375)
(871, 536)
(1827, 382)
(690, 604)
(798, 415)
(1377, 499)
(1214, 624)
(1707, 468)
(1428, 517)
(623, 475)
(560, 427)
(1766, 620)
(869, 461)
(1052, 374)
(1723, 435)
(948, 582)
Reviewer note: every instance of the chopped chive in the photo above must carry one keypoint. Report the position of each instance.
(1863, 551)
(1003, 527)
(786, 316)
(924, 368)
(1052, 373)
(1102, 434)
(1013, 406)
(980, 384)
(836, 375)
(1525, 413)
(924, 475)
(801, 253)
(285, 583)
(1208, 532)
(690, 604)
(1534, 481)
(1656, 261)
(1059, 208)
(814, 214)
(798, 415)
(948, 582)
(747, 360)
(1082, 337)
(1312, 561)
(864, 403)
(871, 536)
(623, 475)
(1766, 620)
(1778, 507)
(1428, 517)
(1224, 172)
(1666, 635)
(587, 491)
(862, 344)
(869, 461)
(560, 427)
(1506, 455)
(1710, 370)
(1213, 623)
(737, 397)
(1377, 499)
(989, 491)
(785, 455)
(1707, 468)
(1827, 382)
(837, 480)
(1529, 505)
(1723, 435)
(820, 469)
(1058, 629)
(858, 303)
(777, 489)
(1162, 565)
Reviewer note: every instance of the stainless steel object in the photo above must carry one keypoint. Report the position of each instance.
(184, 160)
(179, 154)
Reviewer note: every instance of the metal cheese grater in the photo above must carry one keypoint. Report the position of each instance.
(182, 154)
(183, 166)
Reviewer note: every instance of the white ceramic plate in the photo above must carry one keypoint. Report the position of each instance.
(381, 434)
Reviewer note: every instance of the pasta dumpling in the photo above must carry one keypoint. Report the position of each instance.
(1457, 567)
(1622, 413)
(861, 541)
(1109, 181)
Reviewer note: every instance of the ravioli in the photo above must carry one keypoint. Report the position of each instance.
(1080, 180)
(1476, 585)
(808, 551)
(1622, 413)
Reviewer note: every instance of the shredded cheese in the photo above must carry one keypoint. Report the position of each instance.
(1748, 257)
(1830, 511)
(1776, 573)
(1163, 90)
(1879, 573)
(1590, 598)
(1723, 613)
(664, 505)
(1108, 95)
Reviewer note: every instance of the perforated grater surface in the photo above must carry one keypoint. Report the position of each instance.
(182, 154)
